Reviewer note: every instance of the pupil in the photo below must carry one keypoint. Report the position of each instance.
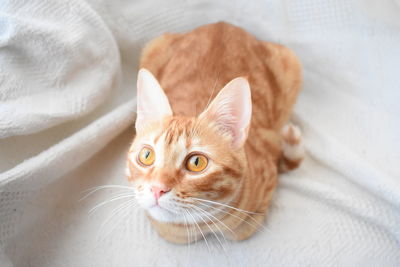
(147, 154)
(196, 161)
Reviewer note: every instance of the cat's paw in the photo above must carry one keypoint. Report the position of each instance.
(293, 151)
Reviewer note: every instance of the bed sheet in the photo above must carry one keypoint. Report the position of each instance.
(67, 103)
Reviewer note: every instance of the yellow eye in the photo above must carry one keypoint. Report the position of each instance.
(146, 156)
(196, 163)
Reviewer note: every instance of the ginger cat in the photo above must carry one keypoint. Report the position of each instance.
(205, 160)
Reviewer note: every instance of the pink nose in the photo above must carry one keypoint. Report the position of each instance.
(159, 191)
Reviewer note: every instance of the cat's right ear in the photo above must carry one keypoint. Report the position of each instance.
(152, 103)
(231, 110)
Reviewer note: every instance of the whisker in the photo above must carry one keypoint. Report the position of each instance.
(209, 214)
(213, 89)
(209, 227)
(97, 188)
(225, 205)
(221, 222)
(216, 225)
(107, 186)
(198, 227)
(196, 126)
(188, 238)
(222, 233)
(233, 215)
(195, 129)
(124, 206)
(116, 210)
(121, 196)
(239, 210)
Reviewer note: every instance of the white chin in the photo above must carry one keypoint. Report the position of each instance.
(161, 214)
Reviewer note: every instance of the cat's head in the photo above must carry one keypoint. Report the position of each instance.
(180, 165)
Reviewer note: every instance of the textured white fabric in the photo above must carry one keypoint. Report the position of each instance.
(65, 94)
(58, 61)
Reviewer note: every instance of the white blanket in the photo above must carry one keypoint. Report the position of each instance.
(67, 102)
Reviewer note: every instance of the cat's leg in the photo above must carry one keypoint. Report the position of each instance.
(293, 151)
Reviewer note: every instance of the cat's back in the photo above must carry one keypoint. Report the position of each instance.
(193, 67)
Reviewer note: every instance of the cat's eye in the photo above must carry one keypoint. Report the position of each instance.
(196, 163)
(146, 156)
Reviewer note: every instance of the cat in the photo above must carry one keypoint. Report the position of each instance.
(205, 159)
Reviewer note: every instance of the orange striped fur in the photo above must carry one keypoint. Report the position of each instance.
(192, 68)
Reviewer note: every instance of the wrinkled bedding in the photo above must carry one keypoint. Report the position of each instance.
(67, 108)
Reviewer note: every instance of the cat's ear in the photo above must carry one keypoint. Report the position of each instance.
(152, 103)
(231, 110)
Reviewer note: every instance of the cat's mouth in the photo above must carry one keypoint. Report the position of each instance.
(161, 208)
(157, 206)
(161, 213)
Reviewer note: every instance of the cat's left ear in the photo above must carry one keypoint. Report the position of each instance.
(231, 110)
(152, 103)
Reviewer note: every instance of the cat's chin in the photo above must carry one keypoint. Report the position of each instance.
(160, 214)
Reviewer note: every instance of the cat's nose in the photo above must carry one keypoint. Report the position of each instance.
(159, 191)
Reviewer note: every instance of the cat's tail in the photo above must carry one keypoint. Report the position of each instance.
(293, 151)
